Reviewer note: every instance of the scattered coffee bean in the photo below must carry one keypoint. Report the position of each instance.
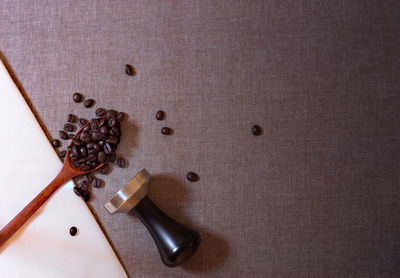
(78, 191)
(166, 131)
(121, 162)
(77, 97)
(97, 183)
(82, 122)
(100, 112)
(71, 118)
(121, 116)
(56, 143)
(160, 115)
(73, 231)
(104, 170)
(69, 127)
(62, 153)
(63, 135)
(256, 130)
(191, 176)
(88, 103)
(130, 70)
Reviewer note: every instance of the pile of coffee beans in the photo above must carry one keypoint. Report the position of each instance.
(92, 146)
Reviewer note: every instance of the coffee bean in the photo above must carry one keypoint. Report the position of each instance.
(78, 191)
(86, 195)
(92, 157)
(87, 128)
(256, 130)
(63, 135)
(71, 136)
(121, 162)
(113, 157)
(108, 148)
(88, 177)
(94, 124)
(88, 103)
(77, 97)
(89, 145)
(160, 115)
(101, 157)
(62, 153)
(69, 127)
(166, 131)
(111, 114)
(191, 176)
(100, 112)
(112, 140)
(104, 129)
(56, 143)
(71, 118)
(104, 170)
(114, 131)
(121, 116)
(73, 231)
(83, 184)
(82, 122)
(85, 137)
(102, 122)
(84, 167)
(112, 122)
(83, 151)
(130, 70)
(97, 183)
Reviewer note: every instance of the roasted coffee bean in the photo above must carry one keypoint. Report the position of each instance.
(77, 141)
(88, 103)
(88, 177)
(113, 157)
(100, 112)
(86, 195)
(89, 145)
(108, 148)
(160, 115)
(97, 147)
(82, 122)
(101, 157)
(78, 191)
(56, 143)
(85, 137)
(129, 70)
(77, 97)
(69, 127)
(75, 150)
(92, 157)
(62, 153)
(104, 170)
(71, 118)
(73, 231)
(94, 124)
(166, 131)
(111, 114)
(121, 116)
(112, 122)
(97, 183)
(63, 135)
(84, 167)
(92, 151)
(104, 129)
(121, 162)
(98, 136)
(71, 135)
(114, 131)
(112, 140)
(83, 184)
(256, 130)
(102, 121)
(83, 151)
(192, 176)
(83, 160)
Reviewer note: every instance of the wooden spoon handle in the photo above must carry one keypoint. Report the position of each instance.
(31, 208)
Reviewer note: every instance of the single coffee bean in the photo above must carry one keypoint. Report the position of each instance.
(63, 135)
(112, 122)
(98, 136)
(71, 118)
(100, 112)
(85, 137)
(88, 103)
(121, 162)
(77, 97)
(112, 140)
(69, 127)
(104, 129)
(85, 167)
(92, 157)
(191, 176)
(166, 131)
(113, 157)
(56, 143)
(73, 231)
(104, 170)
(111, 114)
(121, 116)
(256, 130)
(62, 153)
(78, 191)
(108, 148)
(94, 124)
(101, 157)
(114, 131)
(83, 151)
(130, 70)
(97, 183)
(83, 160)
(160, 115)
(82, 122)
(96, 147)
(77, 141)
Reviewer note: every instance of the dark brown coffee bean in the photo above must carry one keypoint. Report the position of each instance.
(56, 143)
(130, 70)
(98, 136)
(113, 157)
(100, 112)
(192, 176)
(71, 135)
(97, 147)
(101, 157)
(104, 170)
(121, 116)
(82, 122)
(84, 167)
(160, 115)
(71, 118)
(97, 183)
(112, 122)
(256, 130)
(104, 129)
(78, 191)
(83, 184)
(102, 122)
(62, 153)
(75, 151)
(89, 145)
(69, 127)
(85, 137)
(94, 124)
(83, 151)
(108, 148)
(88, 177)
(88, 103)
(166, 131)
(63, 135)
(115, 131)
(73, 231)
(77, 97)
(111, 114)
(121, 162)
(92, 157)
(83, 160)
(112, 140)
(87, 129)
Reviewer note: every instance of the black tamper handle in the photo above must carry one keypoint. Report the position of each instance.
(175, 242)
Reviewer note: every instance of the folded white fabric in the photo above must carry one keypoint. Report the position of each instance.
(43, 247)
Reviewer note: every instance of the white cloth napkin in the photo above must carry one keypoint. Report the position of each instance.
(43, 247)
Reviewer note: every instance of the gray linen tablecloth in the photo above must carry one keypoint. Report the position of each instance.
(317, 195)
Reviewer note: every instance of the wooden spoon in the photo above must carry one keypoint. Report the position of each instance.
(67, 172)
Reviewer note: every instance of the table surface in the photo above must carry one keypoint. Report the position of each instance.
(316, 195)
